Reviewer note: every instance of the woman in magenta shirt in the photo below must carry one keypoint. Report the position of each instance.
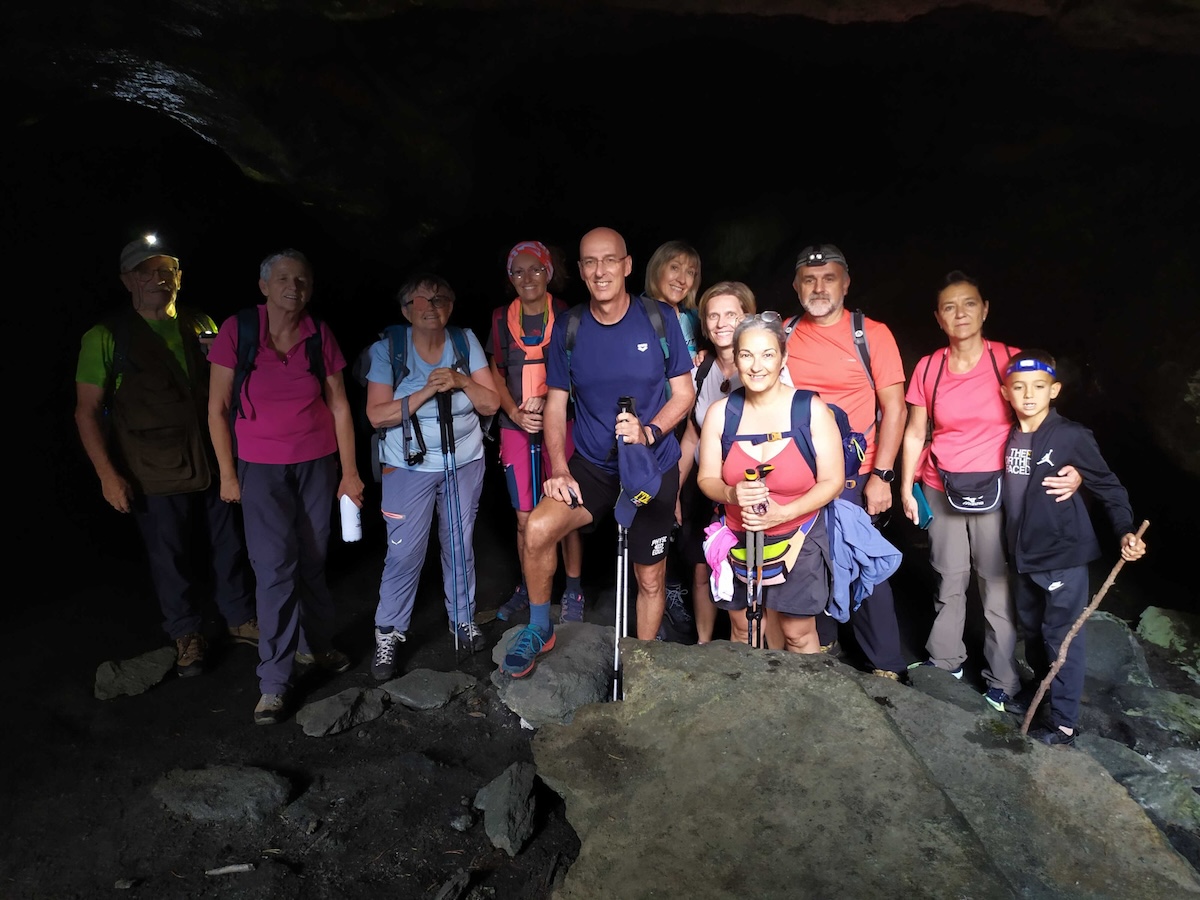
(961, 384)
(292, 433)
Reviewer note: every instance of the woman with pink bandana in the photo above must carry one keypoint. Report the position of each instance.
(520, 333)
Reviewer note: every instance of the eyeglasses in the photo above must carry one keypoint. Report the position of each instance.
(768, 316)
(531, 272)
(589, 263)
(437, 301)
(164, 274)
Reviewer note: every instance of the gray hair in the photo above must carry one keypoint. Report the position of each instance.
(265, 267)
(768, 321)
(427, 280)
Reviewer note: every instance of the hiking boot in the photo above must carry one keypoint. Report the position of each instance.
(522, 651)
(330, 660)
(999, 700)
(269, 710)
(571, 607)
(246, 633)
(470, 637)
(957, 673)
(662, 633)
(189, 655)
(518, 602)
(1055, 736)
(383, 666)
(1019, 705)
(890, 675)
(677, 607)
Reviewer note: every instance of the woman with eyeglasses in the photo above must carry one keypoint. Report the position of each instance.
(444, 374)
(673, 276)
(521, 331)
(766, 486)
(957, 389)
(721, 308)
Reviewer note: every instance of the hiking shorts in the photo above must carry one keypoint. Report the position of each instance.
(518, 464)
(650, 533)
(805, 590)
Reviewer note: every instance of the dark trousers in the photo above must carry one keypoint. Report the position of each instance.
(1048, 603)
(874, 622)
(287, 510)
(169, 525)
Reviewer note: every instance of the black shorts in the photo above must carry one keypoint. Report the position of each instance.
(805, 590)
(698, 513)
(650, 533)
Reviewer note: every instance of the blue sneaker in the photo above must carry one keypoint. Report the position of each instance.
(957, 673)
(571, 607)
(518, 602)
(999, 700)
(1055, 737)
(523, 650)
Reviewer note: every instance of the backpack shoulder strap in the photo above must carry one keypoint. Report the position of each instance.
(734, 404)
(654, 312)
(801, 427)
(397, 338)
(462, 348)
(996, 368)
(858, 329)
(247, 348)
(790, 325)
(703, 369)
(314, 351)
(574, 314)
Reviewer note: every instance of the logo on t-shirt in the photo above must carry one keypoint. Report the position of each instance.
(642, 347)
(1017, 462)
(1046, 460)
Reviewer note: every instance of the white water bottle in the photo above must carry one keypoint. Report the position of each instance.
(351, 520)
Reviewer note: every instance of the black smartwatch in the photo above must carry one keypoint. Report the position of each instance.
(887, 476)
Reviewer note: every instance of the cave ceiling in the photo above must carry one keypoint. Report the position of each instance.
(388, 116)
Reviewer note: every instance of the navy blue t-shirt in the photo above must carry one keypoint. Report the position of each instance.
(608, 362)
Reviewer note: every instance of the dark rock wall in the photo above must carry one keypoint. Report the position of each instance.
(1045, 149)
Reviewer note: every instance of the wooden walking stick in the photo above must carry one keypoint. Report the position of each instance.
(1062, 650)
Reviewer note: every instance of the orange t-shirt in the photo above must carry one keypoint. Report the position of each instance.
(822, 358)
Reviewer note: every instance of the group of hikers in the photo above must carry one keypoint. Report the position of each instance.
(757, 449)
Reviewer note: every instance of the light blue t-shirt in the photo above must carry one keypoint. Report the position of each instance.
(468, 435)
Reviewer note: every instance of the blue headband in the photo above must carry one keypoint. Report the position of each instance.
(1030, 365)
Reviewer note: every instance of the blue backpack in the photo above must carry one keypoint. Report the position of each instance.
(854, 445)
(397, 338)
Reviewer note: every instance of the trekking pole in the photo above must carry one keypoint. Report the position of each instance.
(535, 465)
(1083, 617)
(755, 541)
(453, 509)
(621, 616)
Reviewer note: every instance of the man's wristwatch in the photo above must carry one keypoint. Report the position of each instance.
(887, 476)
(655, 433)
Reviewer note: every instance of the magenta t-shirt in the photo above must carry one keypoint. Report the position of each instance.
(286, 419)
(972, 420)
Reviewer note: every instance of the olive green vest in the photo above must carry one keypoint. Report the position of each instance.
(158, 415)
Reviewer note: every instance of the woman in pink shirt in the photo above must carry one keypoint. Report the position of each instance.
(293, 431)
(960, 384)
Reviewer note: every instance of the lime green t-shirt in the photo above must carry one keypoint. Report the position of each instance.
(96, 349)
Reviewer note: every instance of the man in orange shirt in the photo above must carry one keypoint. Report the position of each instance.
(823, 357)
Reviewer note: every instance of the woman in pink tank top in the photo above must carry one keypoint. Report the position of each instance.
(767, 487)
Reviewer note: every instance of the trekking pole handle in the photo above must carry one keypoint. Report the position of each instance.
(625, 405)
(755, 475)
(446, 420)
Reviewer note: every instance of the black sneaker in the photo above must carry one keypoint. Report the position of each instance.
(1019, 705)
(677, 608)
(1055, 736)
(470, 638)
(383, 667)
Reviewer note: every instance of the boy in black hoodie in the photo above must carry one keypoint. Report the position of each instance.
(1051, 542)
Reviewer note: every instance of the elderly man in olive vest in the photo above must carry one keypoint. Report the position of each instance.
(142, 413)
